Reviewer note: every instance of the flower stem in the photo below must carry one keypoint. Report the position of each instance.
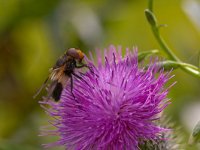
(155, 29)
(163, 45)
(150, 5)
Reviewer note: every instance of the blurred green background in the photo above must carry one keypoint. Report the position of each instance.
(33, 34)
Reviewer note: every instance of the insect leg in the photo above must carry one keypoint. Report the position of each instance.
(80, 78)
(71, 78)
(81, 65)
(89, 67)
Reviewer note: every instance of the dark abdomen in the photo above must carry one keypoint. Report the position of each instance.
(57, 91)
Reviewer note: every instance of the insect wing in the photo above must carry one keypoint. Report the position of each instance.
(40, 89)
(51, 89)
(56, 87)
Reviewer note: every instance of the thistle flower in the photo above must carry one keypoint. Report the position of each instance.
(115, 106)
(173, 138)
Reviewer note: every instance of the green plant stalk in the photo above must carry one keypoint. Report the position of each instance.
(172, 56)
(165, 47)
(150, 5)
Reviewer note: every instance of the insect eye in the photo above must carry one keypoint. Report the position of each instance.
(72, 52)
(75, 53)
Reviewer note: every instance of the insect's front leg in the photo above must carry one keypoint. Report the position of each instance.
(77, 76)
(80, 78)
(81, 65)
(85, 65)
(71, 86)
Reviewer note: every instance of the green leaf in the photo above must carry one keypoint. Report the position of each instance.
(144, 54)
(151, 18)
(170, 64)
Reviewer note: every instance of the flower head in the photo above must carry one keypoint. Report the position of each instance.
(173, 137)
(115, 105)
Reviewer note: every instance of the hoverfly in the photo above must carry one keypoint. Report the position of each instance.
(62, 72)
